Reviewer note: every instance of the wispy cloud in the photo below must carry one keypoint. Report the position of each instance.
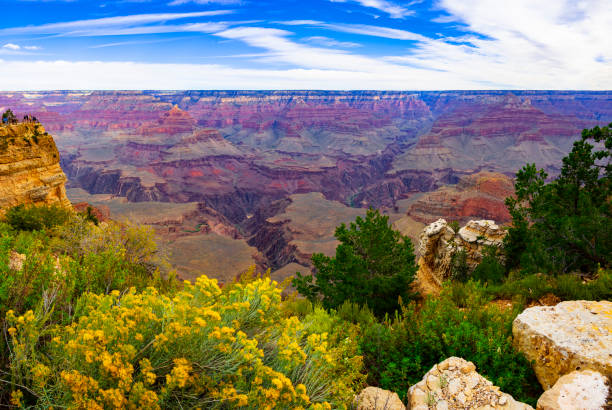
(392, 9)
(362, 29)
(202, 2)
(12, 48)
(133, 24)
(136, 42)
(281, 49)
(330, 42)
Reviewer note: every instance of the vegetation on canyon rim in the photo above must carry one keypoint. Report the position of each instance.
(94, 316)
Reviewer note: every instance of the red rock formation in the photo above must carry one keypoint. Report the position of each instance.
(101, 212)
(175, 121)
(480, 195)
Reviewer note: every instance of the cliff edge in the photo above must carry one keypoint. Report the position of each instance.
(30, 171)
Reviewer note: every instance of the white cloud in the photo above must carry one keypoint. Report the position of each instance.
(392, 9)
(133, 24)
(32, 48)
(11, 46)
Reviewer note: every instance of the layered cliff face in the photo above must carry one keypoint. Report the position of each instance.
(481, 195)
(30, 171)
(237, 152)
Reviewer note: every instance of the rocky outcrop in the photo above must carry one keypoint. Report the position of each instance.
(373, 398)
(439, 242)
(573, 335)
(30, 171)
(585, 390)
(455, 384)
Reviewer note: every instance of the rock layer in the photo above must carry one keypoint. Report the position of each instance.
(30, 171)
(585, 390)
(455, 384)
(573, 335)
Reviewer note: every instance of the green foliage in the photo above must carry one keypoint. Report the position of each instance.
(398, 352)
(533, 287)
(490, 269)
(374, 265)
(564, 225)
(36, 218)
(454, 225)
(90, 216)
(459, 267)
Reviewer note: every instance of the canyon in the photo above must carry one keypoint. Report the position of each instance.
(233, 178)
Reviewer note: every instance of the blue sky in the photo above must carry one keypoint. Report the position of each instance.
(306, 44)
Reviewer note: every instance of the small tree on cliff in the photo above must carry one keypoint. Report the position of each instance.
(8, 117)
(374, 265)
(564, 225)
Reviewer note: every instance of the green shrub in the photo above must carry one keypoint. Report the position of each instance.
(398, 352)
(36, 218)
(523, 289)
(531, 288)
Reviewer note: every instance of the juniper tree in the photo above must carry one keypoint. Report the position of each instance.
(374, 266)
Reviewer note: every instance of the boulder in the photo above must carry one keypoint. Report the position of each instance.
(439, 242)
(586, 390)
(455, 384)
(373, 398)
(572, 335)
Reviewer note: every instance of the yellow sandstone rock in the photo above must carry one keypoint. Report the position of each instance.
(30, 171)
(373, 398)
(573, 335)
